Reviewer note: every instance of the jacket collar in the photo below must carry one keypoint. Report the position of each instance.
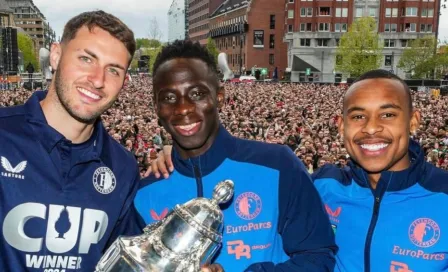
(50, 137)
(396, 180)
(222, 148)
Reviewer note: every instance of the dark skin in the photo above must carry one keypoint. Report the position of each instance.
(377, 113)
(187, 92)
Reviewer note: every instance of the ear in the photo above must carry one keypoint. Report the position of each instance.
(55, 55)
(340, 123)
(220, 96)
(415, 121)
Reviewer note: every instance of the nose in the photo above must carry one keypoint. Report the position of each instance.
(96, 77)
(184, 107)
(372, 126)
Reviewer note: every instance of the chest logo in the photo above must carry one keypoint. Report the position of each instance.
(424, 232)
(248, 205)
(10, 171)
(104, 180)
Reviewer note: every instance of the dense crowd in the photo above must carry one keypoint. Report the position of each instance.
(302, 116)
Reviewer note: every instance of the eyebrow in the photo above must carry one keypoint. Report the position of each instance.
(93, 55)
(383, 107)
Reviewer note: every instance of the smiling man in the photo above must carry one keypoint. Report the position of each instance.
(67, 187)
(385, 207)
(276, 221)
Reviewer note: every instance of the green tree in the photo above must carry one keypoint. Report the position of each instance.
(359, 49)
(26, 46)
(419, 59)
(152, 53)
(212, 49)
(147, 43)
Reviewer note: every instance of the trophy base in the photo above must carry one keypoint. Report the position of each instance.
(123, 254)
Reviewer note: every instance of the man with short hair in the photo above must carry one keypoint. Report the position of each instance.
(276, 221)
(383, 207)
(67, 187)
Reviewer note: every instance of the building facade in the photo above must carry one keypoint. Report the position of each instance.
(176, 20)
(313, 30)
(251, 34)
(28, 17)
(198, 18)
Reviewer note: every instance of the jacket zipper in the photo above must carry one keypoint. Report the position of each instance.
(376, 208)
(198, 177)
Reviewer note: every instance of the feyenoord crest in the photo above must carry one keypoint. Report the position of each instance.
(104, 180)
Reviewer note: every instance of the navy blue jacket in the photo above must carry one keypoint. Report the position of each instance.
(276, 220)
(400, 226)
(58, 212)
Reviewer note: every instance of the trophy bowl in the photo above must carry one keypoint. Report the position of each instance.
(187, 238)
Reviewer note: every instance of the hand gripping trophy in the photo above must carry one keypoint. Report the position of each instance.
(185, 239)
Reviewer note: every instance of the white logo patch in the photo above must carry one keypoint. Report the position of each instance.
(13, 172)
(104, 180)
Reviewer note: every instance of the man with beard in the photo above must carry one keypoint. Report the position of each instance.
(276, 221)
(66, 187)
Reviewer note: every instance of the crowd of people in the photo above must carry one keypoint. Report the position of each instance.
(302, 116)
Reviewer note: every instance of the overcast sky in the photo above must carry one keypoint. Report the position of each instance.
(135, 13)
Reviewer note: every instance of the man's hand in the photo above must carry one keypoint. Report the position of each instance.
(163, 163)
(212, 268)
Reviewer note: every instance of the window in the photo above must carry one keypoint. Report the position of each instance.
(409, 27)
(390, 28)
(428, 13)
(308, 27)
(324, 11)
(338, 42)
(306, 12)
(272, 21)
(389, 43)
(410, 11)
(309, 12)
(291, 1)
(271, 59)
(426, 28)
(324, 27)
(290, 14)
(322, 42)
(359, 12)
(305, 42)
(406, 43)
(272, 41)
(302, 27)
(290, 29)
(340, 27)
(341, 12)
(388, 60)
(372, 12)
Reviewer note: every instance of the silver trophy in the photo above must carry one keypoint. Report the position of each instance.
(183, 241)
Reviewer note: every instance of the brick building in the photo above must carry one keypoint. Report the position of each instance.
(251, 34)
(313, 30)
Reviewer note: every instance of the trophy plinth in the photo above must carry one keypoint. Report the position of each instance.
(183, 241)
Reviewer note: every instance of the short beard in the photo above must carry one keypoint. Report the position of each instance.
(62, 90)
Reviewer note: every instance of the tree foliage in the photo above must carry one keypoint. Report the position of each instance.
(26, 46)
(419, 59)
(359, 49)
(212, 49)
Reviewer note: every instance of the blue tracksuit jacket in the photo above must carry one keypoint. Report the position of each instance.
(399, 227)
(275, 222)
(59, 212)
